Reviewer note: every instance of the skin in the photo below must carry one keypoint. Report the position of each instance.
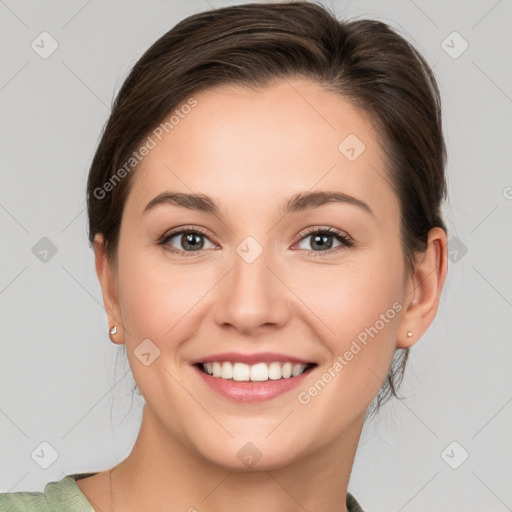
(251, 151)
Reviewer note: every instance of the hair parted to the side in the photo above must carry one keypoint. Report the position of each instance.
(365, 61)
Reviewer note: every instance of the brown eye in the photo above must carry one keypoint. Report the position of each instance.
(185, 241)
(324, 240)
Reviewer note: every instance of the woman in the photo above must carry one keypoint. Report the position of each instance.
(264, 207)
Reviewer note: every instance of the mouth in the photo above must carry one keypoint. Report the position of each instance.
(254, 380)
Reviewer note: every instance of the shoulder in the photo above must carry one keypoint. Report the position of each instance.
(60, 496)
(23, 502)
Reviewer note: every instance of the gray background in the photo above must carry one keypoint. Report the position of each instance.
(64, 383)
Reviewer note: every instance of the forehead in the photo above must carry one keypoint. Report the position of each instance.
(250, 146)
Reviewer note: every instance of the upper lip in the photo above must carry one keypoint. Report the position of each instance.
(261, 357)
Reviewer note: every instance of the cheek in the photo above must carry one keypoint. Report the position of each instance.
(368, 323)
(363, 319)
(159, 300)
(352, 296)
(359, 306)
(156, 305)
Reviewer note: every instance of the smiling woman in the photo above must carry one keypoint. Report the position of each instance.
(269, 261)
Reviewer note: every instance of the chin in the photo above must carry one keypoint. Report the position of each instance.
(260, 462)
(252, 454)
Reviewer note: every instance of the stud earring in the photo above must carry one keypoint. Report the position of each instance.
(409, 334)
(112, 332)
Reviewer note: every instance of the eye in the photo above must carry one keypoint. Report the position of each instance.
(188, 240)
(192, 240)
(323, 239)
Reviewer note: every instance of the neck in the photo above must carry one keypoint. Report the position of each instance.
(171, 476)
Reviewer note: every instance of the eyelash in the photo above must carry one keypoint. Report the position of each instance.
(346, 241)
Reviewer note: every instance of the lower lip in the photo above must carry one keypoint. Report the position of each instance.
(244, 391)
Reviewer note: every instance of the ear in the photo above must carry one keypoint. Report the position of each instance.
(424, 289)
(108, 282)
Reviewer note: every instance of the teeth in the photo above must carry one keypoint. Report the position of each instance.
(259, 372)
(216, 369)
(226, 371)
(240, 371)
(296, 370)
(286, 370)
(273, 371)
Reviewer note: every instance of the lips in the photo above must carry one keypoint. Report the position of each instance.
(252, 377)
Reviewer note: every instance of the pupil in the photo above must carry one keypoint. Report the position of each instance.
(189, 241)
(321, 241)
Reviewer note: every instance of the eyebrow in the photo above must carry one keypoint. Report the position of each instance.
(300, 202)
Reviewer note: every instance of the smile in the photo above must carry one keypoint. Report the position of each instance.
(252, 381)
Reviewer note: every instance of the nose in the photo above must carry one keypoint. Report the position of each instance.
(252, 296)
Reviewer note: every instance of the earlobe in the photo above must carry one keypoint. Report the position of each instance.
(107, 280)
(425, 286)
(113, 331)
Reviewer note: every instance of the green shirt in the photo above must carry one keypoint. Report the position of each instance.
(66, 496)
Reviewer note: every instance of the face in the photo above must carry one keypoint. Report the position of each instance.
(269, 277)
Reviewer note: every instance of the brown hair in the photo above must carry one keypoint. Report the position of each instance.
(255, 44)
